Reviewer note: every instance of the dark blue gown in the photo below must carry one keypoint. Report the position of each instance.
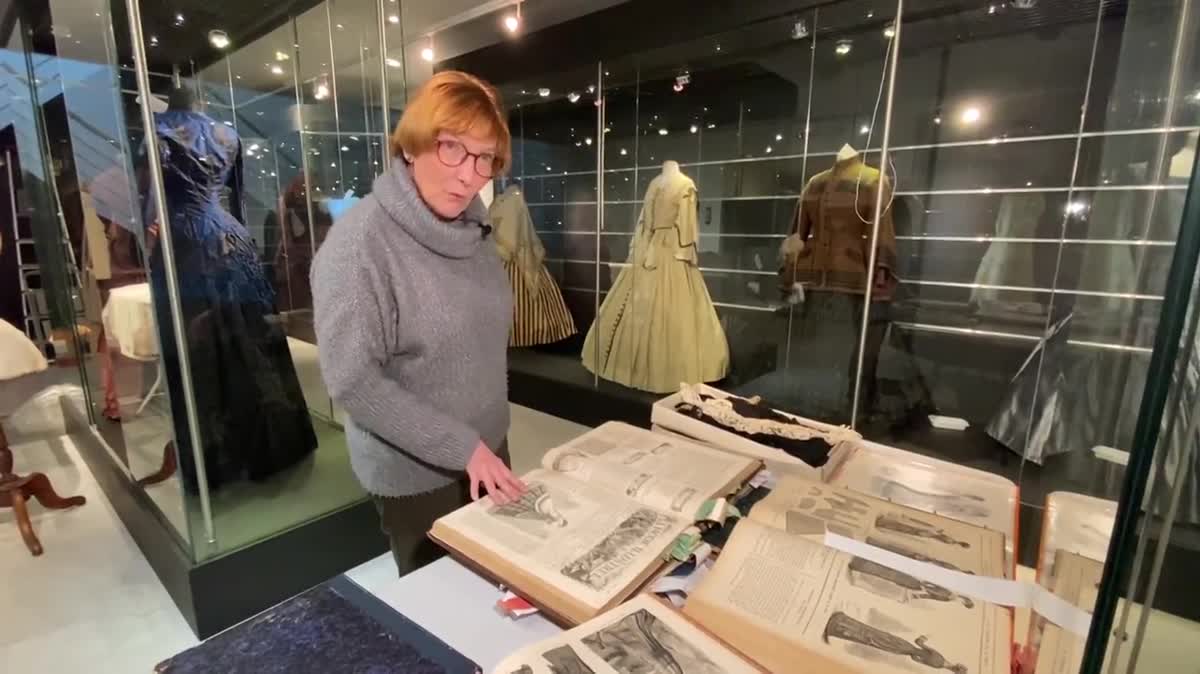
(251, 413)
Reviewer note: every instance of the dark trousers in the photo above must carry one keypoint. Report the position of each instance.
(406, 520)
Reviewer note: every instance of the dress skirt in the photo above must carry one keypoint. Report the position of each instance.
(657, 328)
(540, 314)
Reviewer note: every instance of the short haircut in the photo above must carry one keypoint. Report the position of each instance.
(456, 102)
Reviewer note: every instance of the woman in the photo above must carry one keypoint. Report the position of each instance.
(412, 310)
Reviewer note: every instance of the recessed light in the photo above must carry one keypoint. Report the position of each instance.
(394, 63)
(769, 150)
(864, 130)
(588, 140)
(277, 69)
(971, 115)
(663, 132)
(624, 152)
(427, 54)
(345, 148)
(843, 47)
(179, 20)
(393, 18)
(512, 23)
(693, 128)
(218, 38)
(573, 97)
(544, 92)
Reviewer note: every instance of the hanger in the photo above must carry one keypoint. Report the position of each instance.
(846, 153)
(670, 167)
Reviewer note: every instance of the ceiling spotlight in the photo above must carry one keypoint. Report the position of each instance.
(971, 115)
(937, 120)
(253, 147)
(799, 30)
(179, 20)
(1076, 207)
(843, 47)
(588, 140)
(591, 88)
(573, 97)
(769, 150)
(1024, 4)
(663, 132)
(681, 81)
(512, 23)
(218, 38)
(991, 9)
(153, 40)
(778, 137)
(394, 63)
(677, 87)
(276, 69)
(864, 130)
(711, 125)
(693, 128)
(321, 91)
(345, 148)
(281, 56)
(544, 92)
(393, 19)
(889, 32)
(427, 54)
(624, 152)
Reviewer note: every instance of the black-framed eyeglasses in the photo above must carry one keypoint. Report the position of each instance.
(453, 153)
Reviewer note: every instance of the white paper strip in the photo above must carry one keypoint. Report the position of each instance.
(999, 591)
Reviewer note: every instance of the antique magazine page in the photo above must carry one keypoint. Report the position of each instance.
(809, 508)
(582, 540)
(642, 636)
(1076, 579)
(664, 472)
(796, 606)
(963, 495)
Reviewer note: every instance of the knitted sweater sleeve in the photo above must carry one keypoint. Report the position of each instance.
(354, 316)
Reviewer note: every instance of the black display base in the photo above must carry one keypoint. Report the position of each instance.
(220, 592)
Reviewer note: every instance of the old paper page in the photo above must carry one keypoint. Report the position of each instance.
(642, 636)
(1076, 579)
(664, 472)
(577, 538)
(807, 508)
(785, 601)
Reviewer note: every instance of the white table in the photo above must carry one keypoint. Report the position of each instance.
(455, 605)
(128, 317)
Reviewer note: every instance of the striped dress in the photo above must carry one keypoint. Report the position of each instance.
(540, 314)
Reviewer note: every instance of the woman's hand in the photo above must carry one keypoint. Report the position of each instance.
(487, 469)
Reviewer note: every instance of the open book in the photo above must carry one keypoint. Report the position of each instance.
(782, 598)
(596, 520)
(644, 635)
(1077, 580)
(809, 508)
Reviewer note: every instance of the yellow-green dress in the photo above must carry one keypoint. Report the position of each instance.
(657, 328)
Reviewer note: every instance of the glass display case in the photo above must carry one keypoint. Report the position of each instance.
(865, 212)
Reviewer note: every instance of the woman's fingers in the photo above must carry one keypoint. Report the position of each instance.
(474, 488)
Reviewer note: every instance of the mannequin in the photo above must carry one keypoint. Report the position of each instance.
(182, 98)
(540, 314)
(827, 255)
(657, 326)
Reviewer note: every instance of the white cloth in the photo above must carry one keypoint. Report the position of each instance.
(129, 321)
(1009, 263)
(18, 355)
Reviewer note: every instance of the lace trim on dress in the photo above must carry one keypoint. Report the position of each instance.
(722, 411)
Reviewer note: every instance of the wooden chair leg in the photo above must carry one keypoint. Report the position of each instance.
(39, 487)
(165, 471)
(23, 524)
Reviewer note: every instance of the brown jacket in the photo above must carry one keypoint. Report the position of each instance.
(829, 245)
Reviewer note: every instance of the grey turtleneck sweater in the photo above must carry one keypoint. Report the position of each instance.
(412, 319)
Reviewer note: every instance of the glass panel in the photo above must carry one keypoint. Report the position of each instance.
(553, 121)
(99, 158)
(293, 121)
